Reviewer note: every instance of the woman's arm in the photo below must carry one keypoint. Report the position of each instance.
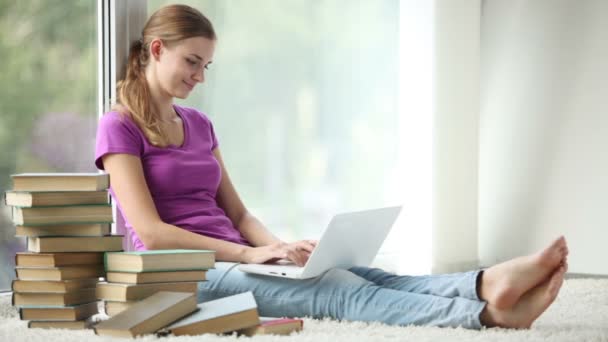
(268, 246)
(129, 185)
(228, 199)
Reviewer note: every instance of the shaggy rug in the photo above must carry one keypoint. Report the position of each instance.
(580, 313)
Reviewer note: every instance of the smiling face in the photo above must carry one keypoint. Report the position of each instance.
(179, 66)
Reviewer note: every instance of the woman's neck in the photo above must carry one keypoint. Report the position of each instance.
(161, 102)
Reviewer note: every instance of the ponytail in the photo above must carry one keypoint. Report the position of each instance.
(133, 95)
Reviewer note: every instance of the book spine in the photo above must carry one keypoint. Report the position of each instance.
(21, 314)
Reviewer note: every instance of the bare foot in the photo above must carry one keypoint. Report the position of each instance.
(502, 285)
(530, 306)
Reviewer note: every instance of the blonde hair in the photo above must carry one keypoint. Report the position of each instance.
(170, 24)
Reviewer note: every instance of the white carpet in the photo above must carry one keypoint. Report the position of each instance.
(580, 313)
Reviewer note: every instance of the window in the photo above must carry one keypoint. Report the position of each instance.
(304, 101)
(48, 101)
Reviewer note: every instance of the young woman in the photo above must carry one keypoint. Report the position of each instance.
(170, 184)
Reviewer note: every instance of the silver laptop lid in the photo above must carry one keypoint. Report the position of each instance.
(351, 239)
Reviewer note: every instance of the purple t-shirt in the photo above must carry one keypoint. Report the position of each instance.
(183, 180)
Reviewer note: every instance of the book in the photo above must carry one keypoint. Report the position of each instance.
(55, 286)
(113, 308)
(59, 273)
(49, 244)
(274, 326)
(54, 299)
(58, 259)
(60, 181)
(148, 315)
(62, 215)
(55, 198)
(160, 260)
(124, 292)
(218, 316)
(155, 277)
(68, 313)
(74, 325)
(79, 229)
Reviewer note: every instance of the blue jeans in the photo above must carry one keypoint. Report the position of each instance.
(356, 294)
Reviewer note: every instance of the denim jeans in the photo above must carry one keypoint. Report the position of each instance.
(356, 294)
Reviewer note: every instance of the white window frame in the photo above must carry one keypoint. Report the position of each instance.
(119, 23)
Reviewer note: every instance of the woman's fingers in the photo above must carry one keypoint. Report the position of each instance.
(305, 245)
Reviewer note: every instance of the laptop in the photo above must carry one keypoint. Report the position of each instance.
(350, 239)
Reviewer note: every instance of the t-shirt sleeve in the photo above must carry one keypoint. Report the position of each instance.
(206, 126)
(115, 134)
(214, 142)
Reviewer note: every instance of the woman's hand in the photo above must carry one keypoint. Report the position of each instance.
(298, 252)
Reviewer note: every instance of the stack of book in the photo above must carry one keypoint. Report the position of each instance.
(178, 314)
(134, 276)
(66, 219)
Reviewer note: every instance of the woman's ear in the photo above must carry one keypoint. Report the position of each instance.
(156, 48)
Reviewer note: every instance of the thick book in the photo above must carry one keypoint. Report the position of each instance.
(148, 315)
(50, 244)
(58, 259)
(72, 325)
(59, 273)
(160, 260)
(68, 313)
(55, 198)
(274, 326)
(60, 181)
(54, 299)
(219, 316)
(114, 308)
(54, 286)
(77, 229)
(93, 213)
(125, 292)
(155, 277)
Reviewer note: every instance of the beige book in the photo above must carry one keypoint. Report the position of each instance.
(218, 316)
(25, 259)
(72, 325)
(68, 313)
(155, 277)
(54, 299)
(59, 273)
(61, 286)
(53, 198)
(148, 315)
(274, 326)
(160, 260)
(114, 308)
(126, 292)
(81, 229)
(60, 181)
(62, 215)
(49, 244)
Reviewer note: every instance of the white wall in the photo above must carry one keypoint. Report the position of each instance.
(455, 135)
(544, 129)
